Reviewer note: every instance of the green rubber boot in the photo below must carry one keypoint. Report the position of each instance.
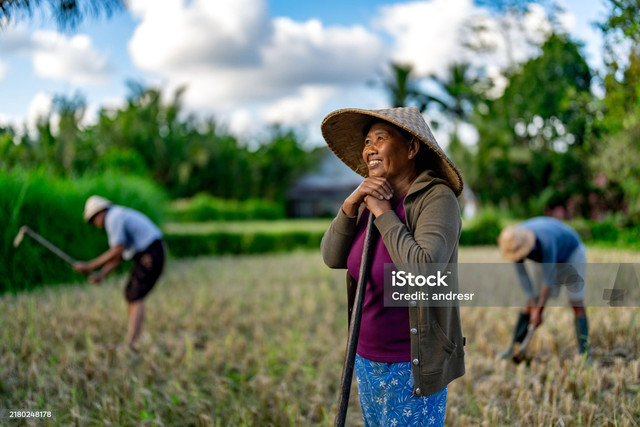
(582, 334)
(519, 332)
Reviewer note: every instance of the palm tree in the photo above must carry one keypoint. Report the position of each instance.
(456, 94)
(67, 13)
(400, 85)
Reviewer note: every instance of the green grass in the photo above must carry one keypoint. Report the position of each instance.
(259, 340)
(245, 227)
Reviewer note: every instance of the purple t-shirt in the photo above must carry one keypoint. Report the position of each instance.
(384, 331)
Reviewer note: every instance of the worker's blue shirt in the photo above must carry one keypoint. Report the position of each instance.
(555, 242)
(128, 227)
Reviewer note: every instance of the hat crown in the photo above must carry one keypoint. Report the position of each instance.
(411, 120)
(94, 205)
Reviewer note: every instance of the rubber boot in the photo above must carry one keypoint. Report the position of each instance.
(519, 332)
(582, 334)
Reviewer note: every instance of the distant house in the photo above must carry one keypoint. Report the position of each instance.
(321, 193)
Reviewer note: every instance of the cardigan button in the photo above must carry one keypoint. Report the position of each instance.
(413, 303)
(414, 331)
(416, 361)
(418, 392)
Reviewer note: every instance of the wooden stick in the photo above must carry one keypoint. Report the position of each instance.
(354, 330)
(44, 242)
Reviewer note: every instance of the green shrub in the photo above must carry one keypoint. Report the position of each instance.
(610, 231)
(603, 232)
(630, 237)
(185, 245)
(484, 229)
(204, 207)
(582, 227)
(53, 207)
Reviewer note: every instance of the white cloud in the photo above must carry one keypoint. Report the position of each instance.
(536, 24)
(72, 59)
(307, 53)
(425, 32)
(520, 41)
(15, 39)
(40, 108)
(202, 32)
(299, 108)
(567, 20)
(232, 53)
(241, 122)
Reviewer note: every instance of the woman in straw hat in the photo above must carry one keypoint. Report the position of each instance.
(131, 235)
(406, 356)
(562, 256)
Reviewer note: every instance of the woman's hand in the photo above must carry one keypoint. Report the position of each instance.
(377, 188)
(377, 206)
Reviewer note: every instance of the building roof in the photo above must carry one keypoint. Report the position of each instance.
(331, 174)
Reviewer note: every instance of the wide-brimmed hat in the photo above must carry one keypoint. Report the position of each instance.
(342, 129)
(95, 205)
(516, 243)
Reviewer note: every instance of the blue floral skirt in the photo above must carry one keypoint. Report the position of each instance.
(386, 396)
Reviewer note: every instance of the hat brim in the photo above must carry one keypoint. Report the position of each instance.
(528, 243)
(342, 130)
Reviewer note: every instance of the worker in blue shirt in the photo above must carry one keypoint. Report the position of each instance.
(562, 256)
(131, 235)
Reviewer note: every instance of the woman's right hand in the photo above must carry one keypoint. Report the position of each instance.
(373, 186)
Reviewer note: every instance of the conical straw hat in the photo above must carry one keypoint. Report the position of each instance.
(342, 130)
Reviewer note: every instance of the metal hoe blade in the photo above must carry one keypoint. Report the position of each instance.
(19, 237)
(44, 242)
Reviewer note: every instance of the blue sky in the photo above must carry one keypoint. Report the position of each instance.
(250, 63)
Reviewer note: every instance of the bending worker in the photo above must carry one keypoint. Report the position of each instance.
(131, 235)
(563, 260)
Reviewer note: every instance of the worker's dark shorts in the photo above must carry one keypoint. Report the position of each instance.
(147, 267)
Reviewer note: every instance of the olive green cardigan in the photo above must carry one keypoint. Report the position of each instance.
(430, 235)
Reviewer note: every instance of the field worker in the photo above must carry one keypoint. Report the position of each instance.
(563, 256)
(406, 356)
(131, 235)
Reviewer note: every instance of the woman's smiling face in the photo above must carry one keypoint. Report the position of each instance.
(386, 153)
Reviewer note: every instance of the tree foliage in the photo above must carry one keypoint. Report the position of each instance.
(618, 150)
(532, 148)
(152, 137)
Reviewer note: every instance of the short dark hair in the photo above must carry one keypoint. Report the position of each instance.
(403, 133)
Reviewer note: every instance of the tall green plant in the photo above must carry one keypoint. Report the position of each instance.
(53, 208)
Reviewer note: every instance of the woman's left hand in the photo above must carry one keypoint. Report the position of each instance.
(377, 206)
